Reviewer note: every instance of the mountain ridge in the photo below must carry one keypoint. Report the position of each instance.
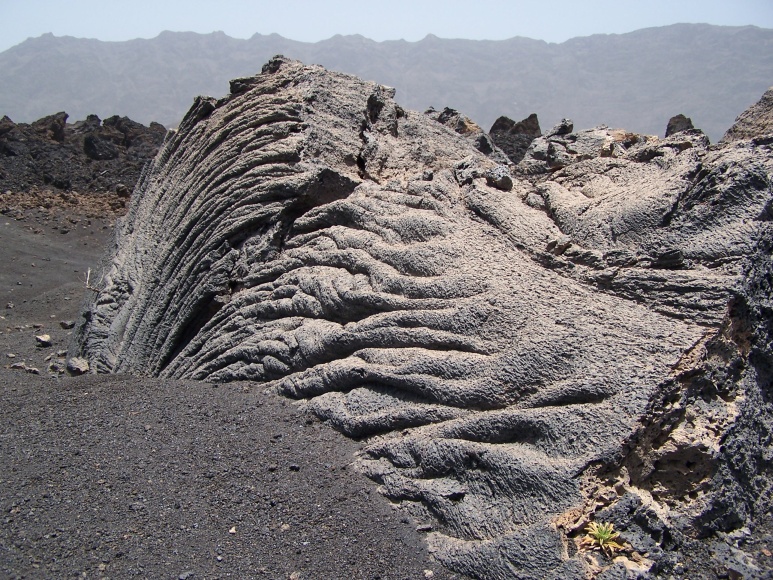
(636, 80)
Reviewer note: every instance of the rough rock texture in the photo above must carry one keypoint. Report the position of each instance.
(698, 473)
(514, 138)
(90, 155)
(72, 174)
(505, 347)
(756, 121)
(678, 123)
(463, 125)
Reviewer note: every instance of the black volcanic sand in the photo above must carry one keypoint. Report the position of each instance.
(119, 476)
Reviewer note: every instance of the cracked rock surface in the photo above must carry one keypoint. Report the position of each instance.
(498, 334)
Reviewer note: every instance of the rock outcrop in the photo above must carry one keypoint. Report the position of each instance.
(463, 125)
(756, 121)
(585, 337)
(514, 138)
(677, 124)
(90, 155)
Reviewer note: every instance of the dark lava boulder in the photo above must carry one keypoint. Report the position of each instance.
(514, 138)
(677, 124)
(6, 125)
(98, 148)
(51, 127)
(510, 347)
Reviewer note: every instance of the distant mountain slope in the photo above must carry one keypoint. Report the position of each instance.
(635, 81)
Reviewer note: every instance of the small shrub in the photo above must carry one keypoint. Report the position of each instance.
(602, 536)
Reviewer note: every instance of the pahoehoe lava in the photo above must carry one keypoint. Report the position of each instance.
(504, 335)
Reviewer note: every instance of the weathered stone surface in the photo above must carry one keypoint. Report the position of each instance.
(505, 353)
(499, 177)
(756, 121)
(463, 125)
(514, 138)
(528, 126)
(564, 127)
(677, 124)
(674, 204)
(89, 155)
(78, 366)
(51, 127)
(557, 149)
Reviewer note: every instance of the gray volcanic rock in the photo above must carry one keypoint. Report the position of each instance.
(704, 450)
(504, 346)
(678, 123)
(691, 218)
(514, 138)
(756, 121)
(463, 125)
(528, 126)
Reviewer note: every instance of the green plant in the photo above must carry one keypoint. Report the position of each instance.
(602, 536)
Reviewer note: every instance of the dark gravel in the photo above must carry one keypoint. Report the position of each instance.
(120, 476)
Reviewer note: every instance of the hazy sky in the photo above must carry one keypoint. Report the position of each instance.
(313, 20)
